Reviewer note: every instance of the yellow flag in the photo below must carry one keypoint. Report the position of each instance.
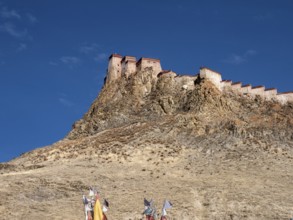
(98, 214)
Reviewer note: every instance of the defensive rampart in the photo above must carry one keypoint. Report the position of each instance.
(127, 66)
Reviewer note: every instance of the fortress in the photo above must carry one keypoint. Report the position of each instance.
(127, 66)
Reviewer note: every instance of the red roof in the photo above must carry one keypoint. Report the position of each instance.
(270, 89)
(236, 83)
(284, 93)
(149, 59)
(130, 61)
(248, 85)
(128, 58)
(258, 87)
(115, 55)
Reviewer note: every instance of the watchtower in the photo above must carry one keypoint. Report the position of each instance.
(212, 76)
(155, 64)
(114, 67)
(128, 64)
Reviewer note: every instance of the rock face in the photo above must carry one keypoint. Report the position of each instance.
(214, 155)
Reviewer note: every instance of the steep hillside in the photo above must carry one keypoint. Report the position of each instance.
(215, 155)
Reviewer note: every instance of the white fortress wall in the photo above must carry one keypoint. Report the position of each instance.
(127, 66)
(290, 96)
(130, 68)
(236, 87)
(246, 89)
(282, 98)
(226, 85)
(258, 90)
(212, 76)
(149, 62)
(270, 94)
(285, 97)
(114, 67)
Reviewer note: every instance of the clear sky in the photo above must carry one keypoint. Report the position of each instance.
(53, 54)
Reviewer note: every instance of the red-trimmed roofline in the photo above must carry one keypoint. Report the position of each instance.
(203, 67)
(257, 87)
(246, 86)
(284, 93)
(270, 89)
(130, 61)
(115, 55)
(236, 83)
(131, 57)
(150, 59)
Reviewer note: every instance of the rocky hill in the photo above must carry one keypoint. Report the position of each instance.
(215, 155)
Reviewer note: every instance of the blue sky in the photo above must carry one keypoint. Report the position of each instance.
(53, 54)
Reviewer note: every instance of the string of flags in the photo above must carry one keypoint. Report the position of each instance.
(94, 210)
(92, 206)
(150, 210)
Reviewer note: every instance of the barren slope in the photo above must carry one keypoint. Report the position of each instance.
(214, 155)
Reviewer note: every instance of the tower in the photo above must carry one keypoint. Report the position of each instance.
(128, 65)
(149, 62)
(114, 67)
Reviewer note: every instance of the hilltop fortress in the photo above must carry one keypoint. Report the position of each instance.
(127, 66)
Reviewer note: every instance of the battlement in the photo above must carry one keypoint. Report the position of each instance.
(127, 66)
(213, 76)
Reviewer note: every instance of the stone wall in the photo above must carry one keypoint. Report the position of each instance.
(126, 66)
(212, 76)
(236, 87)
(246, 89)
(226, 85)
(285, 97)
(258, 90)
(270, 94)
(154, 64)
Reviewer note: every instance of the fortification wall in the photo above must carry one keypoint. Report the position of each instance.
(270, 94)
(127, 66)
(155, 64)
(258, 90)
(130, 68)
(285, 97)
(246, 89)
(226, 85)
(212, 76)
(236, 87)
